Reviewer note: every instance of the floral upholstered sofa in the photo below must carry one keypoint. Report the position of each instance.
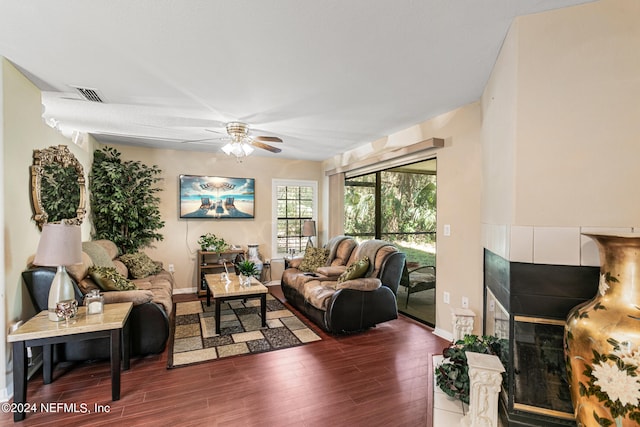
(345, 286)
(132, 278)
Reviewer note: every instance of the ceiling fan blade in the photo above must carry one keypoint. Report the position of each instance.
(267, 138)
(265, 146)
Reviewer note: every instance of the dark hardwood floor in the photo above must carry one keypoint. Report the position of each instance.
(382, 377)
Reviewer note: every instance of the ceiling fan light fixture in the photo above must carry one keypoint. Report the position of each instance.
(228, 149)
(238, 149)
(246, 148)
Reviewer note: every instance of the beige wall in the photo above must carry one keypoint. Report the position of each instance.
(23, 131)
(499, 133)
(578, 136)
(180, 235)
(561, 123)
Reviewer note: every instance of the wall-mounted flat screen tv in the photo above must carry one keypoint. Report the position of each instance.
(216, 197)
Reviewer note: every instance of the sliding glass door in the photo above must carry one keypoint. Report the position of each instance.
(399, 205)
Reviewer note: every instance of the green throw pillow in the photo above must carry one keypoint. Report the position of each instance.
(355, 271)
(314, 258)
(108, 279)
(140, 265)
(98, 254)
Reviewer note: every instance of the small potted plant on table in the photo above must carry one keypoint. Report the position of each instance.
(210, 242)
(247, 269)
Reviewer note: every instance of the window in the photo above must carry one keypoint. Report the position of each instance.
(294, 202)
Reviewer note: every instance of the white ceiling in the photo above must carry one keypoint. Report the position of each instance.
(325, 76)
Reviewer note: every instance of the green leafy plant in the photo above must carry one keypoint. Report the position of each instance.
(247, 268)
(210, 241)
(124, 204)
(452, 375)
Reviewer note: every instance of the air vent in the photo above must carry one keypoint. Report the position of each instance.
(89, 94)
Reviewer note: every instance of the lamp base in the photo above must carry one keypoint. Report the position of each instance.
(61, 290)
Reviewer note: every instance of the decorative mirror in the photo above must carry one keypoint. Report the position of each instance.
(57, 186)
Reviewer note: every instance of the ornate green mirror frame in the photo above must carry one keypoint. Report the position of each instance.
(57, 186)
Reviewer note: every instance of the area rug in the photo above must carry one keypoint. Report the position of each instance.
(241, 332)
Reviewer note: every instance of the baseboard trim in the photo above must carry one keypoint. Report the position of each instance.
(184, 291)
(443, 334)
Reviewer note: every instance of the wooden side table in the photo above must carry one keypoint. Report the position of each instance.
(40, 331)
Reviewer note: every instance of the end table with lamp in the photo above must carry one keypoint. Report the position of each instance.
(39, 331)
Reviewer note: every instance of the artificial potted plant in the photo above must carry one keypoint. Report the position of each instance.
(452, 375)
(210, 242)
(247, 269)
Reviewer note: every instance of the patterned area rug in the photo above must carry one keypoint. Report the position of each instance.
(241, 332)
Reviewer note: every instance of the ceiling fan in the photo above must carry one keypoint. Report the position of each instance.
(240, 142)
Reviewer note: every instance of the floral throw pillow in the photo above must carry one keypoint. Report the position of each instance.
(314, 258)
(140, 265)
(108, 279)
(355, 271)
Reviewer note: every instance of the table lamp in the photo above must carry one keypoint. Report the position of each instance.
(60, 245)
(309, 230)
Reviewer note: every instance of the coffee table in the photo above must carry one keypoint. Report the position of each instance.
(40, 331)
(223, 291)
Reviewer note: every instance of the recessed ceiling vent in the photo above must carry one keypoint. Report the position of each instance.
(89, 94)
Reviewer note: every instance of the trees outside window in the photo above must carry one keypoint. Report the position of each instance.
(397, 205)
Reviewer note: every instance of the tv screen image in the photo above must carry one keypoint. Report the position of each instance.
(216, 197)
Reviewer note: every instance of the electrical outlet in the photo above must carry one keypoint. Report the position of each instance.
(447, 230)
(447, 297)
(465, 302)
(171, 268)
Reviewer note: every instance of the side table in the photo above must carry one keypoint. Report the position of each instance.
(40, 331)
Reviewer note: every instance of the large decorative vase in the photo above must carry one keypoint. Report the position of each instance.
(602, 339)
(254, 256)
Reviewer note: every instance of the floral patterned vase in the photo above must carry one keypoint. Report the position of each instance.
(602, 339)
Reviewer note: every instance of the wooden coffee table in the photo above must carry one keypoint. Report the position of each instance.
(223, 291)
(40, 331)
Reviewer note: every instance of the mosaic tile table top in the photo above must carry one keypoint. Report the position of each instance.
(241, 332)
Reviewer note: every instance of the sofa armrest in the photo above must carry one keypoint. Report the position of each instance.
(294, 262)
(137, 297)
(363, 284)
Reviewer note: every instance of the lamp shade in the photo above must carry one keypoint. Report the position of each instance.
(60, 244)
(309, 228)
